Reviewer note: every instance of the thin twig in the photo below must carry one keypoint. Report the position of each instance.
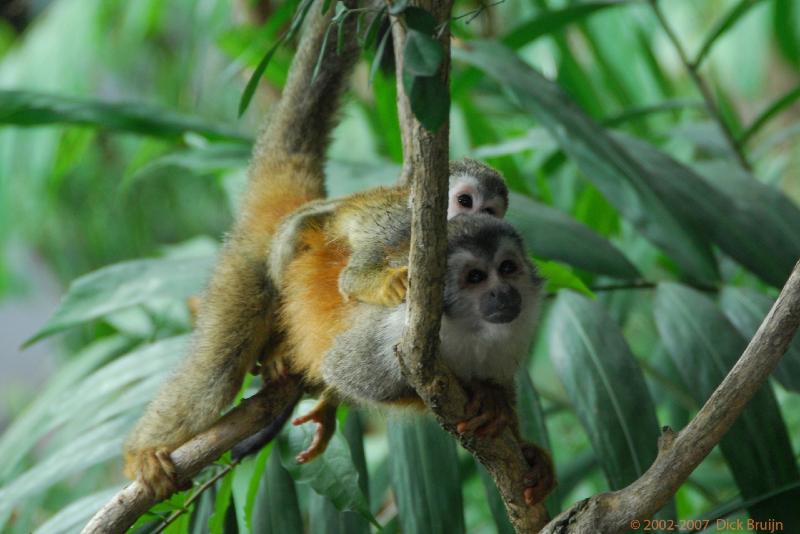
(708, 98)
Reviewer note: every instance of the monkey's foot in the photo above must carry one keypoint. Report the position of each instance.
(394, 288)
(539, 480)
(274, 370)
(324, 415)
(154, 470)
(488, 412)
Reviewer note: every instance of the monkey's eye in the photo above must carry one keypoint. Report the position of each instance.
(465, 200)
(490, 211)
(507, 267)
(476, 276)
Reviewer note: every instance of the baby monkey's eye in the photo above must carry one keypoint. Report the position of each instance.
(465, 200)
(476, 276)
(507, 267)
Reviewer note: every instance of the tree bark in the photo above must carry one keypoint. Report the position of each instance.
(425, 167)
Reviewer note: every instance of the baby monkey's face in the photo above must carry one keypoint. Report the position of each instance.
(469, 195)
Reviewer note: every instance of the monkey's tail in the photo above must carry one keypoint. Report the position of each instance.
(260, 439)
(238, 308)
(287, 166)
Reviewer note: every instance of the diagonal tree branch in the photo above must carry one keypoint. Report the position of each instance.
(426, 156)
(679, 454)
(249, 416)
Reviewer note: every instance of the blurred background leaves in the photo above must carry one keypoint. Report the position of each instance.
(653, 159)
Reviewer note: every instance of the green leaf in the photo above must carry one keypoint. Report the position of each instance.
(613, 170)
(420, 20)
(425, 477)
(553, 20)
(558, 276)
(276, 509)
(376, 61)
(495, 501)
(430, 100)
(212, 159)
(72, 517)
(746, 309)
(422, 54)
(704, 346)
(332, 474)
(786, 22)
(123, 285)
(398, 7)
(723, 25)
(252, 83)
(222, 501)
(605, 385)
(246, 478)
(553, 234)
(763, 216)
(29, 108)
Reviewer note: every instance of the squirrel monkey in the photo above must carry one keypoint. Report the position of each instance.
(235, 320)
(345, 347)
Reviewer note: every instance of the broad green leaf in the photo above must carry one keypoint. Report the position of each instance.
(558, 276)
(612, 169)
(123, 285)
(741, 225)
(551, 21)
(746, 309)
(553, 234)
(422, 54)
(764, 214)
(419, 20)
(425, 477)
(605, 385)
(199, 161)
(786, 21)
(202, 511)
(72, 517)
(27, 108)
(430, 99)
(495, 502)
(89, 449)
(276, 509)
(36, 421)
(705, 346)
(222, 500)
(246, 478)
(332, 474)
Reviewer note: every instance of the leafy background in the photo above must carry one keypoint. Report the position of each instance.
(663, 220)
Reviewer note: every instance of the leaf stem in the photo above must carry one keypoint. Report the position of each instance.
(708, 99)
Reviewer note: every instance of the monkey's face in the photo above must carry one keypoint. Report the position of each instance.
(491, 299)
(470, 194)
(489, 278)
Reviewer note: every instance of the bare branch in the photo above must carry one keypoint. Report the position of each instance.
(679, 454)
(425, 156)
(251, 414)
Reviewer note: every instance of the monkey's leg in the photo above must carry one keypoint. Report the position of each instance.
(324, 415)
(540, 478)
(488, 411)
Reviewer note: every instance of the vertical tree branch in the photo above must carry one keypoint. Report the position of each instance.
(679, 454)
(426, 162)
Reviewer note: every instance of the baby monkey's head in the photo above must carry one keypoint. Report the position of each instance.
(476, 188)
(489, 276)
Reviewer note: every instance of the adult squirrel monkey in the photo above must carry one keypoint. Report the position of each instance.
(345, 347)
(238, 309)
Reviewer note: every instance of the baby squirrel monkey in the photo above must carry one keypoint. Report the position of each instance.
(345, 347)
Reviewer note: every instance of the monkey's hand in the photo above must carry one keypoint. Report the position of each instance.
(488, 411)
(153, 468)
(394, 287)
(540, 478)
(324, 415)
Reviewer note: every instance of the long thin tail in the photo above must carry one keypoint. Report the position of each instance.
(237, 312)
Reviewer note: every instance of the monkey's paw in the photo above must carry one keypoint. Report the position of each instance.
(488, 412)
(154, 470)
(539, 480)
(274, 370)
(324, 415)
(394, 288)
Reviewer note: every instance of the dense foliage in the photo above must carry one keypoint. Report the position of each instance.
(651, 150)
